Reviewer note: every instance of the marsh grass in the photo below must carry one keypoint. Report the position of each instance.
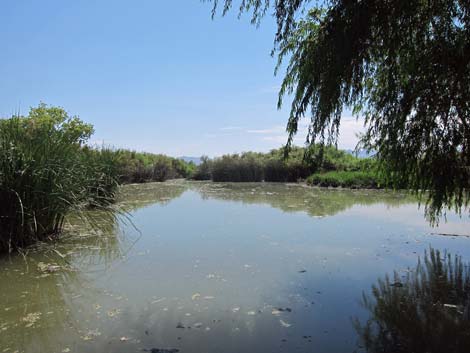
(347, 179)
(46, 172)
(139, 167)
(338, 168)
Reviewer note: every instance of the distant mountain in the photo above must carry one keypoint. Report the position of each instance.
(195, 160)
(361, 153)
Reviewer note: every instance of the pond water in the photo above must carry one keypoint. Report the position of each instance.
(206, 267)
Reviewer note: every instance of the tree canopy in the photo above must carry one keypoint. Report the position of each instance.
(404, 66)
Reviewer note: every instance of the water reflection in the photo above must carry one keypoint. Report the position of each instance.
(427, 311)
(300, 198)
(41, 288)
(212, 268)
(135, 196)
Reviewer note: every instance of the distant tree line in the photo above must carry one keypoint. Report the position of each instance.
(140, 167)
(301, 164)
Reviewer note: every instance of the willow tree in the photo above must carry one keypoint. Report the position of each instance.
(404, 66)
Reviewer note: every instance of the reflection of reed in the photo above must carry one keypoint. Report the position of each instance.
(39, 302)
(428, 311)
(135, 196)
(287, 197)
(93, 244)
(299, 198)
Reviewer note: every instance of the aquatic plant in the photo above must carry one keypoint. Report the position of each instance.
(346, 179)
(46, 172)
(141, 167)
(203, 170)
(428, 311)
(273, 166)
(237, 168)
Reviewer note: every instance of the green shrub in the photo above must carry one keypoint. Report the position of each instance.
(141, 167)
(237, 168)
(45, 173)
(273, 167)
(203, 170)
(275, 170)
(358, 179)
(163, 170)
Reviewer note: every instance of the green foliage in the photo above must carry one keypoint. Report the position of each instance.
(45, 173)
(237, 168)
(135, 167)
(428, 311)
(103, 174)
(203, 171)
(403, 65)
(273, 167)
(352, 180)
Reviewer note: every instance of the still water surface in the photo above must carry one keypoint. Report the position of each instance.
(212, 268)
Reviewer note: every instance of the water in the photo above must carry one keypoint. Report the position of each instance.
(200, 267)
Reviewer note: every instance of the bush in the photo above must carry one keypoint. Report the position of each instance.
(235, 168)
(203, 170)
(273, 167)
(45, 173)
(135, 167)
(359, 179)
(162, 170)
(275, 170)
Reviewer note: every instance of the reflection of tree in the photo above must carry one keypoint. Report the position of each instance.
(295, 198)
(287, 197)
(135, 196)
(429, 311)
(53, 279)
(37, 301)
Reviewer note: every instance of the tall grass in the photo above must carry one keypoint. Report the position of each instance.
(45, 173)
(135, 167)
(272, 166)
(237, 169)
(352, 180)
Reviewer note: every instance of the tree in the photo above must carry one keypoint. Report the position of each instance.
(402, 65)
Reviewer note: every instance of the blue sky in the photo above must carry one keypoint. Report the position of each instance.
(157, 76)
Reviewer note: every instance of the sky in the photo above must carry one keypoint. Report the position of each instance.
(150, 75)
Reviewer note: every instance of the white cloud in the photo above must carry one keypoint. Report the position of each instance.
(231, 128)
(349, 128)
(272, 130)
(276, 138)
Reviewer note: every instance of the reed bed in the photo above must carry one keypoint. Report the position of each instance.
(46, 172)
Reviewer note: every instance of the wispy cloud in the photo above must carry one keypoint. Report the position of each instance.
(275, 138)
(350, 128)
(231, 128)
(272, 130)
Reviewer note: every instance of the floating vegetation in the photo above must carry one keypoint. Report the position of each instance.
(113, 312)
(49, 268)
(31, 319)
(91, 334)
